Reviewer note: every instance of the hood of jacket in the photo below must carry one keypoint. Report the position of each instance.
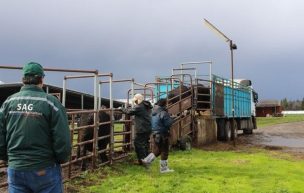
(157, 109)
(147, 104)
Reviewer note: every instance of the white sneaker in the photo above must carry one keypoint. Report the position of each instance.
(166, 170)
(164, 167)
(149, 159)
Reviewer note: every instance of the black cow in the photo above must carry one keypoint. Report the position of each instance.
(104, 130)
(174, 95)
(202, 99)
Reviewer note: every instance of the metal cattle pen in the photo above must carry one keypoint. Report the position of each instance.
(84, 128)
(179, 105)
(78, 123)
(12, 67)
(123, 133)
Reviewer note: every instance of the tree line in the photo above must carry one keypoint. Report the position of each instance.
(292, 104)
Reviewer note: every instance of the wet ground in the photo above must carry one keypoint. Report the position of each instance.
(289, 136)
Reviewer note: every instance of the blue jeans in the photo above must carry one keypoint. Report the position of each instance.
(47, 180)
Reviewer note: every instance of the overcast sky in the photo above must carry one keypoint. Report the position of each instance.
(145, 38)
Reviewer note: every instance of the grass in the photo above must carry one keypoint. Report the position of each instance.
(198, 171)
(201, 171)
(267, 121)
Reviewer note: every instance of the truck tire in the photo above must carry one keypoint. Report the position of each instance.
(234, 125)
(220, 129)
(247, 131)
(185, 143)
(227, 136)
(254, 123)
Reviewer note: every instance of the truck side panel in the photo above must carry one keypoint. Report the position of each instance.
(222, 93)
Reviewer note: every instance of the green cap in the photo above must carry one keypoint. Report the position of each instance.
(32, 69)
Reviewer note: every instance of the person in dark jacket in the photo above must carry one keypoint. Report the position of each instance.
(161, 123)
(142, 112)
(34, 136)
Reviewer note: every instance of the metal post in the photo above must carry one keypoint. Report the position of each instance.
(232, 88)
(82, 102)
(210, 72)
(64, 91)
(111, 97)
(112, 139)
(132, 92)
(99, 93)
(95, 91)
(96, 121)
(182, 77)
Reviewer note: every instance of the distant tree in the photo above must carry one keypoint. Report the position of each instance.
(284, 104)
(302, 104)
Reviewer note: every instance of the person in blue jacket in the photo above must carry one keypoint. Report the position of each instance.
(161, 123)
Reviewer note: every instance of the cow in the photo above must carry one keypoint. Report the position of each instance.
(201, 96)
(103, 130)
(174, 95)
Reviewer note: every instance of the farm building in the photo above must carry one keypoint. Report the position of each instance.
(74, 99)
(269, 108)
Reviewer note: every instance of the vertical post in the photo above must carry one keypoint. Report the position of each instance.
(210, 72)
(99, 93)
(112, 140)
(182, 77)
(82, 102)
(232, 89)
(132, 91)
(96, 121)
(71, 138)
(64, 91)
(95, 91)
(211, 85)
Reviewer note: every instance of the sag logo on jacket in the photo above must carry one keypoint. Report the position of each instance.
(24, 107)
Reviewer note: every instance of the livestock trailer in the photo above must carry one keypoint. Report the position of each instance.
(217, 98)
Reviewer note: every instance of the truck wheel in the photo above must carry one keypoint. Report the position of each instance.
(185, 143)
(227, 136)
(254, 123)
(220, 129)
(235, 128)
(247, 131)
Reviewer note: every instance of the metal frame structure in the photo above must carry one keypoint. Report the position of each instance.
(71, 168)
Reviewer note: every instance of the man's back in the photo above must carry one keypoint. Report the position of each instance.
(33, 122)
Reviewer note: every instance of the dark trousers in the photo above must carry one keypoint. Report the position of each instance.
(141, 144)
(160, 145)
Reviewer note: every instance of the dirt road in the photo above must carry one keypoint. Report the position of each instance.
(287, 136)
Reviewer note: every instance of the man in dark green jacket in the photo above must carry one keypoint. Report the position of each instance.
(34, 136)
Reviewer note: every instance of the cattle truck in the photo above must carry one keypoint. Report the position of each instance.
(213, 97)
(233, 106)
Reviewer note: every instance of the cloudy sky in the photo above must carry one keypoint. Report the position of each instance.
(145, 38)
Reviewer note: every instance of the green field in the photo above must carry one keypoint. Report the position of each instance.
(255, 171)
(267, 121)
(244, 170)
